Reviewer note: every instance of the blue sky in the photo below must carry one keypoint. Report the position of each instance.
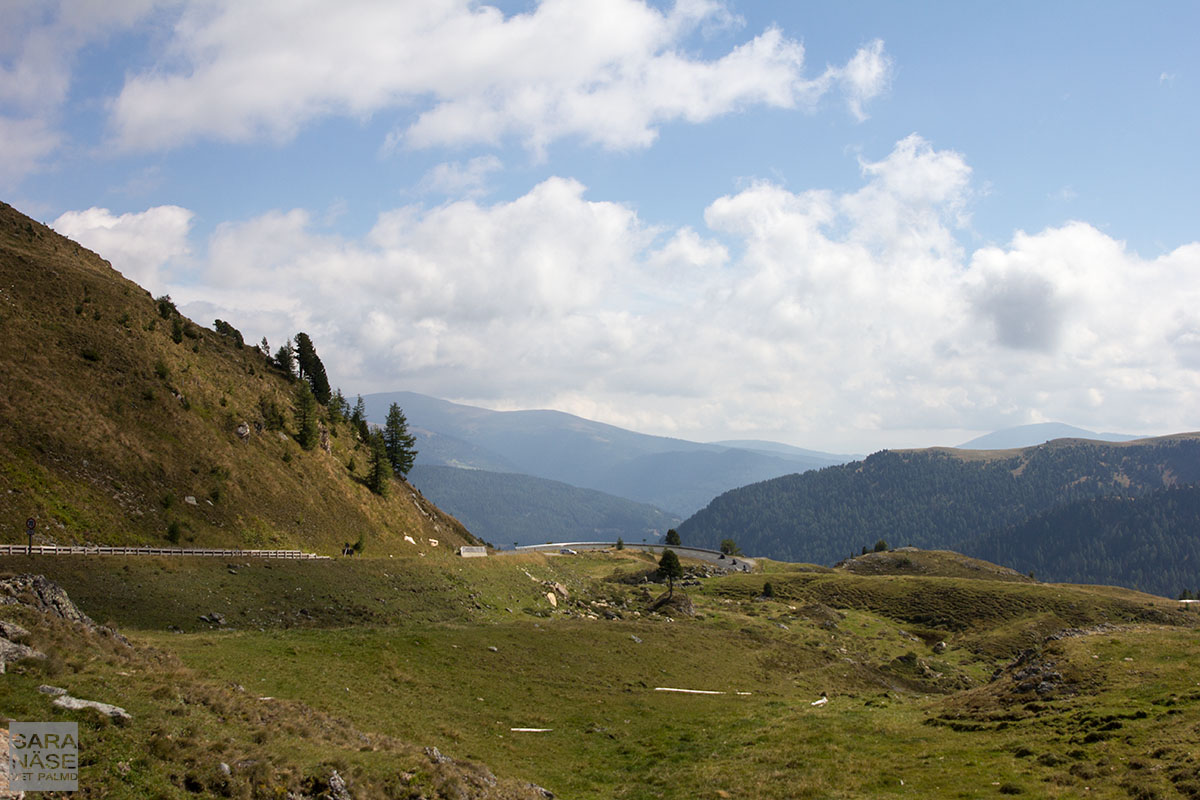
(841, 225)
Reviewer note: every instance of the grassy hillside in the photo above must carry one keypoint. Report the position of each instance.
(937, 498)
(108, 425)
(503, 508)
(933, 686)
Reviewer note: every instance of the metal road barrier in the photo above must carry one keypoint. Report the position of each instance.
(56, 550)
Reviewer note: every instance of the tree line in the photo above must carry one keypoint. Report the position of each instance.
(938, 499)
(391, 448)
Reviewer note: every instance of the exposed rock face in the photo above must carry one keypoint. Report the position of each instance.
(12, 631)
(11, 651)
(48, 597)
(44, 595)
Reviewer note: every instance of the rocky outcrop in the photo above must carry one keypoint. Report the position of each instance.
(44, 595)
(12, 651)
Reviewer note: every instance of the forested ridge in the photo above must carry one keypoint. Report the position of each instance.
(1150, 543)
(934, 498)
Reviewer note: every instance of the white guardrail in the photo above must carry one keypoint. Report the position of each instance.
(55, 550)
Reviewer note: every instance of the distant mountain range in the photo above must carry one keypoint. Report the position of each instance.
(1038, 433)
(674, 475)
(507, 509)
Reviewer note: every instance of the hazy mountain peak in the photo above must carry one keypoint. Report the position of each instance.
(1038, 433)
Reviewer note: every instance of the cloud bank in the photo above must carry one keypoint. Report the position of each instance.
(814, 316)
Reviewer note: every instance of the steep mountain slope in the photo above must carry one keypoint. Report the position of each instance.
(504, 508)
(1150, 543)
(1038, 433)
(120, 420)
(673, 474)
(938, 498)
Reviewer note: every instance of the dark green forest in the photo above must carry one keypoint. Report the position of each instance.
(1150, 543)
(939, 498)
(504, 508)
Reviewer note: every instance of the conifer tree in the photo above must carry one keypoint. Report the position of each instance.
(399, 441)
(285, 358)
(311, 369)
(306, 417)
(379, 468)
(670, 568)
(358, 419)
(339, 409)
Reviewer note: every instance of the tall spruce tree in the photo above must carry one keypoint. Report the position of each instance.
(306, 417)
(311, 368)
(399, 441)
(379, 468)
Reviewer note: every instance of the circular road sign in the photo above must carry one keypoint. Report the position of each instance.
(30, 524)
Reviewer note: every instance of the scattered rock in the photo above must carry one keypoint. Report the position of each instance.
(636, 640)
(337, 787)
(75, 704)
(436, 756)
(213, 618)
(243, 432)
(493, 648)
(190, 500)
(54, 691)
(939, 648)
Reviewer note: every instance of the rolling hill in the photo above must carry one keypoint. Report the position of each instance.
(937, 498)
(122, 422)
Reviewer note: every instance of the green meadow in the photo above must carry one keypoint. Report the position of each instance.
(839, 685)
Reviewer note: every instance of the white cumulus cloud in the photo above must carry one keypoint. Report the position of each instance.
(139, 246)
(607, 71)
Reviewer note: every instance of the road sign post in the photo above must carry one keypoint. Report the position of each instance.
(30, 525)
